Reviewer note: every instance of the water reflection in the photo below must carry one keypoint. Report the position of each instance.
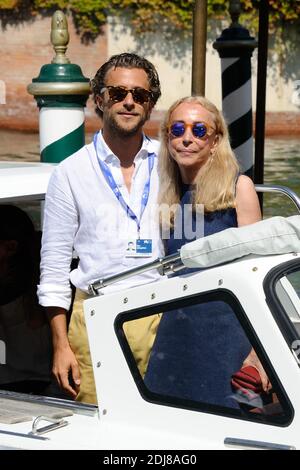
(282, 164)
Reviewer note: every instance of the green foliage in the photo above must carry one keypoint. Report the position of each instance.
(8, 4)
(147, 15)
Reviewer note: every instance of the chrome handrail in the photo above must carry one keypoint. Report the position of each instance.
(167, 264)
(251, 444)
(56, 423)
(273, 188)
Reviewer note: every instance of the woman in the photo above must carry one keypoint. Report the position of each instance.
(198, 169)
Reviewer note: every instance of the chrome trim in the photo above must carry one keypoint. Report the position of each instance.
(232, 441)
(76, 407)
(21, 434)
(167, 264)
(269, 188)
(56, 423)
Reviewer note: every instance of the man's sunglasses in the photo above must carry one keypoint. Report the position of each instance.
(199, 129)
(119, 93)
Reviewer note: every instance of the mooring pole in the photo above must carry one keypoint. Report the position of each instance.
(199, 47)
(235, 47)
(260, 118)
(61, 92)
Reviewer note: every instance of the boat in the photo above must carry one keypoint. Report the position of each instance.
(259, 281)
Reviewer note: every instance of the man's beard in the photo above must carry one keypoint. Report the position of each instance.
(123, 131)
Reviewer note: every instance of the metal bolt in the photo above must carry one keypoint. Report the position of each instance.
(153, 296)
(254, 269)
(220, 282)
(185, 287)
(125, 300)
(92, 312)
(98, 364)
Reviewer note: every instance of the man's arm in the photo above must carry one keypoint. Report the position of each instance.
(64, 360)
(54, 291)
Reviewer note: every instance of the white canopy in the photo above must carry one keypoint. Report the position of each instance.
(276, 235)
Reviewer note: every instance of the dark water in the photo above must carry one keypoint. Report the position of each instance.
(282, 164)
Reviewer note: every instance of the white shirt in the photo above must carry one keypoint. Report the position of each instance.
(83, 213)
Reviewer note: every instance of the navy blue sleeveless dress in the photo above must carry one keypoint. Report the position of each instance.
(198, 348)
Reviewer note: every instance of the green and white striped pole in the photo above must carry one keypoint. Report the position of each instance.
(61, 92)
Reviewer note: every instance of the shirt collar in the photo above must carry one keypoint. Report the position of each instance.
(106, 155)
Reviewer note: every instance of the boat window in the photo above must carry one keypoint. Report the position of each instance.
(201, 353)
(33, 209)
(287, 289)
(25, 338)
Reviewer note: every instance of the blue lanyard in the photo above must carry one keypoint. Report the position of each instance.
(113, 185)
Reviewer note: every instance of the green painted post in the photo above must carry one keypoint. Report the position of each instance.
(61, 92)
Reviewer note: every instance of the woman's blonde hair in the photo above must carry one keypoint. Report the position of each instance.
(215, 184)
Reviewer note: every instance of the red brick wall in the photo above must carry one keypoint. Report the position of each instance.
(23, 50)
(282, 123)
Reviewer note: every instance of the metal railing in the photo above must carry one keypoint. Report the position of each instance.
(173, 263)
(269, 188)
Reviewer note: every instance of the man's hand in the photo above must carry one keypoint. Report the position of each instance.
(64, 361)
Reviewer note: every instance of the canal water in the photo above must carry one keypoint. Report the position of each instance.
(282, 164)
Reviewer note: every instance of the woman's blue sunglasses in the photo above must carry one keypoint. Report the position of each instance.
(199, 129)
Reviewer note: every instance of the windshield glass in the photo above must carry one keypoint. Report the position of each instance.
(288, 292)
(194, 353)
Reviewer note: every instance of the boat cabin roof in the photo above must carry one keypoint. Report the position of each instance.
(24, 180)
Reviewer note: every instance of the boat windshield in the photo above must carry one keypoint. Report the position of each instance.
(194, 356)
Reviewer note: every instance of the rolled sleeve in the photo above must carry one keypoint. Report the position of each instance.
(50, 295)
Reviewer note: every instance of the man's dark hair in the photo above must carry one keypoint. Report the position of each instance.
(129, 61)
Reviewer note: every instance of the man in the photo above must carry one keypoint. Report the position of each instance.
(99, 202)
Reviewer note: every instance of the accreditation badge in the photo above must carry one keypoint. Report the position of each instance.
(139, 248)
